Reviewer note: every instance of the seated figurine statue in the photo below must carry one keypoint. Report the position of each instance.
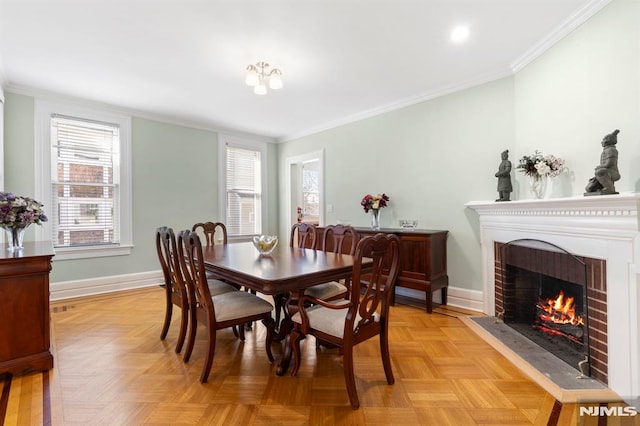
(607, 172)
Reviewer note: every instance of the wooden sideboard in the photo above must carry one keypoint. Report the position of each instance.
(423, 260)
(24, 308)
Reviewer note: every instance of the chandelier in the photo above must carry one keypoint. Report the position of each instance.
(258, 75)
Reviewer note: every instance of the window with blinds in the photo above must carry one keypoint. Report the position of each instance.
(243, 191)
(84, 179)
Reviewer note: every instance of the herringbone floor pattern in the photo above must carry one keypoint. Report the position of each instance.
(111, 368)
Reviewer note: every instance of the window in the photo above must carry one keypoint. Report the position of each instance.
(86, 186)
(83, 186)
(243, 171)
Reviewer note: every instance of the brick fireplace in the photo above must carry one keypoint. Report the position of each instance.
(604, 232)
(534, 258)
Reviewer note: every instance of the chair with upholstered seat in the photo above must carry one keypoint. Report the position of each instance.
(220, 311)
(337, 239)
(212, 233)
(176, 293)
(346, 323)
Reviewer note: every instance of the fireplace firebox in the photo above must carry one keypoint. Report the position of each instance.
(545, 301)
(531, 275)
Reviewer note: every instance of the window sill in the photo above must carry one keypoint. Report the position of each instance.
(68, 253)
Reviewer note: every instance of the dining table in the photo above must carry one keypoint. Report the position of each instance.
(287, 270)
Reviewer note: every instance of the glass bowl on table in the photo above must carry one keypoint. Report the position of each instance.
(265, 244)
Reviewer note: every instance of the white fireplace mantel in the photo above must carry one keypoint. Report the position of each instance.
(602, 227)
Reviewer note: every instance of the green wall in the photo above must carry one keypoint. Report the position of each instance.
(19, 175)
(430, 158)
(583, 88)
(433, 157)
(175, 183)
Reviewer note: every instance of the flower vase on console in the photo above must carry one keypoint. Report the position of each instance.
(15, 237)
(374, 203)
(16, 215)
(375, 219)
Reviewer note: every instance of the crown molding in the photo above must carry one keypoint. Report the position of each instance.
(402, 103)
(571, 23)
(53, 96)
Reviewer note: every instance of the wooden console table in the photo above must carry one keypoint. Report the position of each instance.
(423, 260)
(24, 308)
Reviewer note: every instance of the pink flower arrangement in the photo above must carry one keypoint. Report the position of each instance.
(374, 202)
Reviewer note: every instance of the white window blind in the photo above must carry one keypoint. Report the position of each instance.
(243, 181)
(84, 179)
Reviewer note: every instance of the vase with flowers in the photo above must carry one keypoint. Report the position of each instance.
(539, 168)
(373, 204)
(17, 213)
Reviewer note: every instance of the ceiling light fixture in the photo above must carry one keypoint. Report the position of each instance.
(460, 34)
(258, 75)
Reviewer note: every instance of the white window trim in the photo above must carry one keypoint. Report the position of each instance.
(223, 141)
(43, 111)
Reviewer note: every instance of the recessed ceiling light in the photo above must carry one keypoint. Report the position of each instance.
(460, 34)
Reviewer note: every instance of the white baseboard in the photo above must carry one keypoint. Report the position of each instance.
(465, 298)
(456, 296)
(459, 297)
(92, 286)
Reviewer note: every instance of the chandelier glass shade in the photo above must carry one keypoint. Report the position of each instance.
(259, 75)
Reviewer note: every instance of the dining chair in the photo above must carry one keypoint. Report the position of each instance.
(213, 233)
(175, 290)
(347, 323)
(176, 293)
(216, 312)
(303, 235)
(337, 239)
(216, 233)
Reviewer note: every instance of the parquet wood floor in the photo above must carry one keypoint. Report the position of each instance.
(111, 368)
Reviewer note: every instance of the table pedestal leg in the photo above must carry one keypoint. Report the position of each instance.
(285, 332)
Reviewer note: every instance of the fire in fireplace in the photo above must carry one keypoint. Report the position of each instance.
(544, 299)
(557, 316)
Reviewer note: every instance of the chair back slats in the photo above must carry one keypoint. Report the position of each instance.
(209, 230)
(340, 239)
(373, 291)
(166, 247)
(192, 265)
(303, 235)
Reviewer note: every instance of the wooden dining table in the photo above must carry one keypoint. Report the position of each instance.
(287, 270)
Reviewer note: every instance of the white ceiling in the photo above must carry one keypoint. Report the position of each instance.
(341, 59)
